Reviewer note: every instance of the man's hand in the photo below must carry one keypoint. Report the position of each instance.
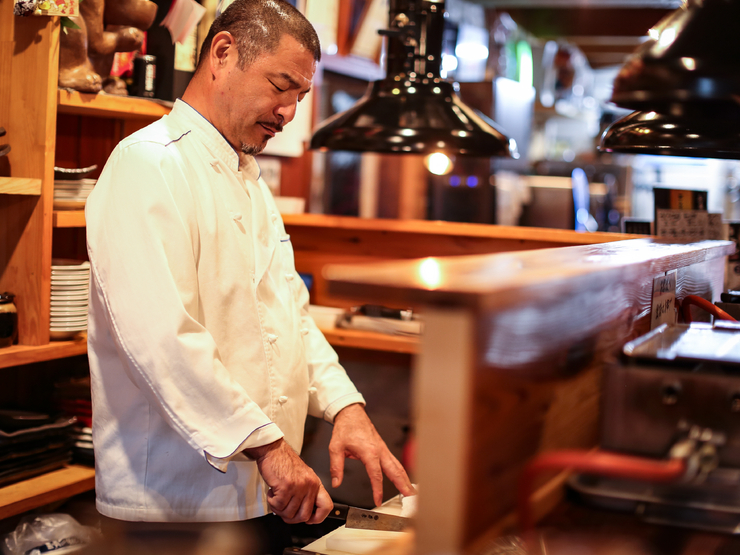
(355, 437)
(296, 494)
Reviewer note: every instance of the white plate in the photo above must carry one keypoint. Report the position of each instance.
(69, 288)
(67, 321)
(65, 300)
(70, 280)
(72, 271)
(61, 314)
(68, 263)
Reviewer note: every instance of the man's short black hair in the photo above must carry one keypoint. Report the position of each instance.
(258, 25)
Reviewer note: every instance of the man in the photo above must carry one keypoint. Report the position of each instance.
(204, 360)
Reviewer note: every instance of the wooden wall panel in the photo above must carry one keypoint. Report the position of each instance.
(29, 116)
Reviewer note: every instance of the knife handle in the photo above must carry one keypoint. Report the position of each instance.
(339, 512)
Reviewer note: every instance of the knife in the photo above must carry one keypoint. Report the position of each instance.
(364, 519)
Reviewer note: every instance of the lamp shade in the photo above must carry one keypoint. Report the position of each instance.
(692, 58)
(413, 110)
(656, 133)
(685, 84)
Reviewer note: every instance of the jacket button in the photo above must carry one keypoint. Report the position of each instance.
(282, 399)
(271, 337)
(237, 217)
(304, 331)
(313, 390)
(289, 277)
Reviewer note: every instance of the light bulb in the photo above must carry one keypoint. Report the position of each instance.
(438, 163)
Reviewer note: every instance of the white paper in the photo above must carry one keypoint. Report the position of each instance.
(685, 225)
(664, 300)
(183, 17)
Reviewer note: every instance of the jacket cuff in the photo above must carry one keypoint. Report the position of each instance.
(264, 435)
(333, 409)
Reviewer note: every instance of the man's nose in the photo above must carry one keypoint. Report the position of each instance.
(286, 111)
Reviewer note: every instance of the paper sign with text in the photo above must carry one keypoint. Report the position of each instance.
(664, 300)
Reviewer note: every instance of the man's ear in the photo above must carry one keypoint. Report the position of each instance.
(223, 47)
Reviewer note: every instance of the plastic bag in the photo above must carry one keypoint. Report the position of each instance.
(50, 533)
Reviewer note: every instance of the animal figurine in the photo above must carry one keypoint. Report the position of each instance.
(105, 27)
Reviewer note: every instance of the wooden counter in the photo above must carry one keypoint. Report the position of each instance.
(511, 358)
(319, 240)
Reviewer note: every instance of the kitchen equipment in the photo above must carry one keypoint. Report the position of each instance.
(674, 384)
(364, 519)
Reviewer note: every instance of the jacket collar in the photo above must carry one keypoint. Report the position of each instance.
(214, 140)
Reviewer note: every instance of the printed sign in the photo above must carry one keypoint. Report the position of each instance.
(664, 300)
(681, 214)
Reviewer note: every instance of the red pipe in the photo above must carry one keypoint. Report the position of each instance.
(704, 304)
(593, 462)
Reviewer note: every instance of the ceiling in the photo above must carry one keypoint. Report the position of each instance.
(607, 31)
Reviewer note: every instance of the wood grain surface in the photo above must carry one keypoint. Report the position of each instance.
(28, 113)
(511, 360)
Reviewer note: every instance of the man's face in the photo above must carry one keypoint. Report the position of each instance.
(258, 101)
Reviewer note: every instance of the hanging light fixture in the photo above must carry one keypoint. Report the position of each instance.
(685, 85)
(413, 110)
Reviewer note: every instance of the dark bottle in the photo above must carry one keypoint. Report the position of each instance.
(145, 74)
(8, 320)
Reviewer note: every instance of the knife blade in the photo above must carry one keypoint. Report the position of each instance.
(365, 519)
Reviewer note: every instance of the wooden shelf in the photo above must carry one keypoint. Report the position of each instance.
(109, 105)
(27, 354)
(20, 186)
(24, 354)
(44, 489)
(371, 340)
(68, 218)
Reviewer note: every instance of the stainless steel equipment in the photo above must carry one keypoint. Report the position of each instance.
(675, 384)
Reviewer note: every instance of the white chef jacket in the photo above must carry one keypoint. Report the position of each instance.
(199, 338)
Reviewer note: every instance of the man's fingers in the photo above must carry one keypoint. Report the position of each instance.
(305, 510)
(280, 505)
(336, 467)
(323, 506)
(397, 474)
(277, 502)
(375, 473)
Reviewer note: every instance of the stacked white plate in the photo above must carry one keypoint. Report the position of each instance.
(71, 194)
(70, 281)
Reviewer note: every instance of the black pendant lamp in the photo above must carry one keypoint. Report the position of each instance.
(413, 110)
(685, 85)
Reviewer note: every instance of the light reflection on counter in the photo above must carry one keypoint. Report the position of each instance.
(430, 273)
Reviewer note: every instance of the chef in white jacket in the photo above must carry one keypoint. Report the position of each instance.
(203, 358)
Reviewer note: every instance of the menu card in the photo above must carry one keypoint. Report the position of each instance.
(682, 214)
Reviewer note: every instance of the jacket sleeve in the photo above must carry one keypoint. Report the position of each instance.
(143, 245)
(331, 389)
